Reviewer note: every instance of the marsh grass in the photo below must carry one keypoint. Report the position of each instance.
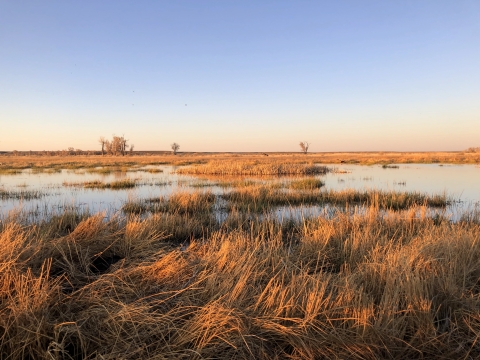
(151, 170)
(306, 184)
(97, 184)
(229, 181)
(201, 184)
(167, 279)
(260, 198)
(255, 168)
(36, 170)
(103, 170)
(106, 170)
(21, 194)
(369, 158)
(179, 202)
(348, 287)
(8, 171)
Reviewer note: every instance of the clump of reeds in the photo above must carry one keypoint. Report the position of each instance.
(394, 200)
(151, 170)
(306, 184)
(21, 194)
(8, 171)
(179, 202)
(259, 198)
(100, 170)
(230, 181)
(41, 170)
(97, 184)
(253, 168)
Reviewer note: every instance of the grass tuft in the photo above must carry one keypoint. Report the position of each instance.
(254, 168)
(97, 184)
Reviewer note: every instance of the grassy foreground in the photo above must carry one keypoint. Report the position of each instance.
(179, 285)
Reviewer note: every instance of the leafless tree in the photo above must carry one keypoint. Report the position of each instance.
(175, 148)
(102, 142)
(118, 145)
(131, 149)
(123, 145)
(108, 147)
(304, 146)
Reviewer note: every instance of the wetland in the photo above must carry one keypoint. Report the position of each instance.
(240, 259)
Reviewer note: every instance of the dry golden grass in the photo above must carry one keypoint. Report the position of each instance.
(255, 168)
(97, 184)
(263, 197)
(402, 286)
(21, 162)
(21, 194)
(180, 202)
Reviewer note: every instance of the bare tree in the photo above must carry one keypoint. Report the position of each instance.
(175, 148)
(131, 149)
(118, 145)
(304, 146)
(102, 142)
(123, 144)
(108, 147)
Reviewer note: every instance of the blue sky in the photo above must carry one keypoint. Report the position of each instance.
(241, 75)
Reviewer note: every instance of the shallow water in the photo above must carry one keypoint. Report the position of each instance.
(462, 182)
(459, 182)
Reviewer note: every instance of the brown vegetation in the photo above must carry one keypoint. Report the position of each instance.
(97, 184)
(351, 286)
(392, 278)
(24, 160)
(263, 197)
(255, 168)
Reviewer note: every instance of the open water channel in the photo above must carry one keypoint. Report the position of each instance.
(461, 183)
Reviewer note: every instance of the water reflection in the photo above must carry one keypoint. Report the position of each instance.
(460, 182)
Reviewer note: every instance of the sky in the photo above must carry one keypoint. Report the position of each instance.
(241, 75)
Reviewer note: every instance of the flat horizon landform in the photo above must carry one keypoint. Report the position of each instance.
(44, 158)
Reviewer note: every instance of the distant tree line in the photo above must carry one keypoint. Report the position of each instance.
(473, 149)
(64, 152)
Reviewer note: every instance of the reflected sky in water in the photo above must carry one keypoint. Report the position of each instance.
(460, 182)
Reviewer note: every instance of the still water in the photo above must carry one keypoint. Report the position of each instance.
(460, 182)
